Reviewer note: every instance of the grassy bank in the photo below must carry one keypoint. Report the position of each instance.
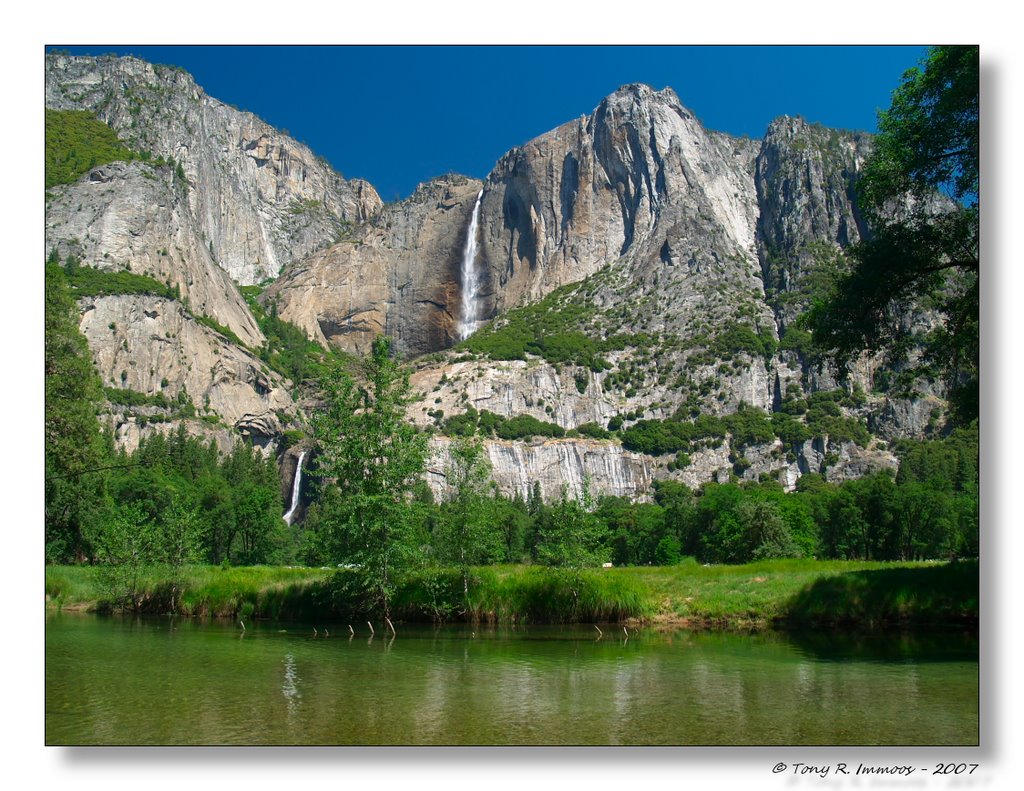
(781, 593)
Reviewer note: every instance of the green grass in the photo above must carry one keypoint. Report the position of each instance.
(778, 592)
(204, 590)
(810, 592)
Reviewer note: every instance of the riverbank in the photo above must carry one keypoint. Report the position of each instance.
(779, 593)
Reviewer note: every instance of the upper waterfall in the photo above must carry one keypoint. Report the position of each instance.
(469, 317)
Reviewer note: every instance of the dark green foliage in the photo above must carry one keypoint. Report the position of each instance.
(949, 464)
(742, 339)
(556, 328)
(220, 329)
(939, 594)
(825, 419)
(178, 408)
(571, 535)
(233, 501)
(488, 424)
(288, 350)
(527, 426)
(635, 531)
(134, 398)
(372, 460)
(747, 426)
(466, 533)
(76, 142)
(922, 252)
(74, 448)
(796, 339)
(85, 281)
(790, 430)
(593, 430)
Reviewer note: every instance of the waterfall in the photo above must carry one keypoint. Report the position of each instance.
(296, 485)
(470, 277)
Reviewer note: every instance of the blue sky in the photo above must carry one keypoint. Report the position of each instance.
(399, 115)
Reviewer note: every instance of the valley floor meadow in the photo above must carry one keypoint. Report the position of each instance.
(775, 593)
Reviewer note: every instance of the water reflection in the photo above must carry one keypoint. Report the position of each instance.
(290, 688)
(113, 681)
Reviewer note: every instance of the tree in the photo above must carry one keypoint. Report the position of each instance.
(919, 195)
(181, 541)
(125, 545)
(466, 534)
(75, 451)
(766, 534)
(375, 458)
(570, 537)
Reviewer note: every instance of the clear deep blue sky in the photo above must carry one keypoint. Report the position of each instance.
(400, 115)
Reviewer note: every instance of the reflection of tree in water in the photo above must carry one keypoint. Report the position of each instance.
(950, 645)
(289, 688)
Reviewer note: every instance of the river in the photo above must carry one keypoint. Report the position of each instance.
(114, 680)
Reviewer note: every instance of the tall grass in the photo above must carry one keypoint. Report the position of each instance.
(777, 592)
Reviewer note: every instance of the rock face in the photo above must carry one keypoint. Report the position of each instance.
(135, 217)
(683, 255)
(398, 274)
(639, 175)
(804, 177)
(259, 198)
(652, 227)
(559, 466)
(153, 346)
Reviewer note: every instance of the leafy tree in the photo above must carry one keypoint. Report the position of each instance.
(375, 458)
(925, 523)
(181, 543)
(513, 522)
(466, 534)
(75, 451)
(766, 534)
(919, 193)
(843, 526)
(719, 531)
(571, 536)
(125, 545)
(635, 531)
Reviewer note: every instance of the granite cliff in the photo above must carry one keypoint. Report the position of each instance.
(259, 198)
(630, 266)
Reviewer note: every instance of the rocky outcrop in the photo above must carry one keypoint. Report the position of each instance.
(259, 198)
(670, 234)
(153, 346)
(558, 466)
(639, 175)
(564, 467)
(554, 393)
(135, 218)
(805, 177)
(398, 275)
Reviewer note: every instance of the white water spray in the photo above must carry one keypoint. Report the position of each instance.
(470, 278)
(296, 485)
